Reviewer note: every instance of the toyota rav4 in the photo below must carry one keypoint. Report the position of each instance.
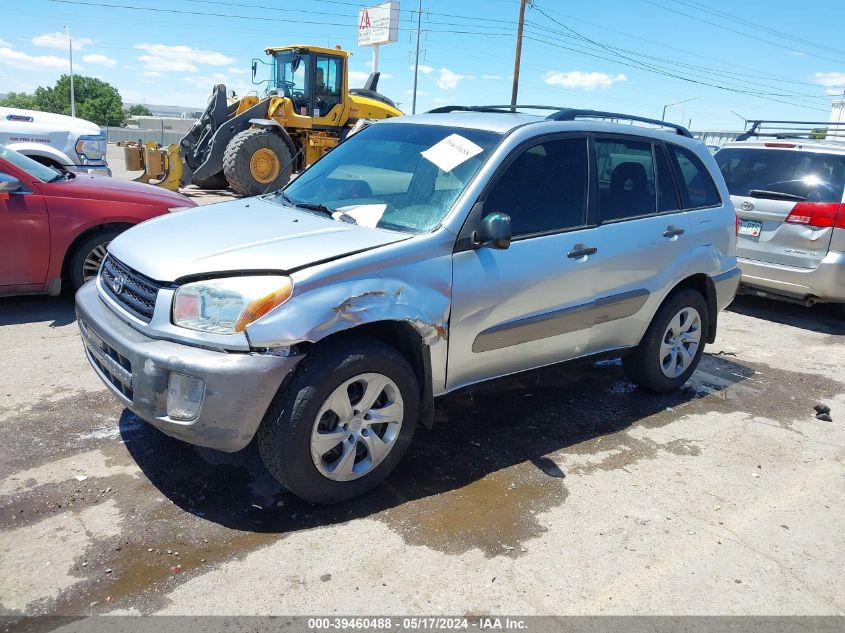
(422, 255)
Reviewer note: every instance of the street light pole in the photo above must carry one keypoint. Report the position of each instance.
(70, 52)
(669, 105)
(417, 59)
(516, 60)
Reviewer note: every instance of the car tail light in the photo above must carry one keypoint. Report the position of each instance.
(736, 223)
(818, 214)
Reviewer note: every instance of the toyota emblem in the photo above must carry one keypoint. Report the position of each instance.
(117, 284)
(747, 205)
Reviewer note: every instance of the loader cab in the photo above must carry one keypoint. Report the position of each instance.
(313, 79)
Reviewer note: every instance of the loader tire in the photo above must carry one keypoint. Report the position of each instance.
(257, 161)
(216, 181)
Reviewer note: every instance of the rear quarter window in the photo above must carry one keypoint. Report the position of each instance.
(697, 188)
(816, 176)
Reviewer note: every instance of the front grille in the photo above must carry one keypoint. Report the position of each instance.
(113, 365)
(129, 288)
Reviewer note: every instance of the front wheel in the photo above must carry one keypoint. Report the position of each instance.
(673, 344)
(343, 422)
(88, 256)
(256, 161)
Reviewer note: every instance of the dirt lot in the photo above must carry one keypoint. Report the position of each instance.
(564, 492)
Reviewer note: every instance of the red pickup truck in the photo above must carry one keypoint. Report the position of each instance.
(55, 226)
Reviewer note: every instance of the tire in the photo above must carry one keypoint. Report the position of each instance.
(290, 438)
(257, 161)
(649, 363)
(216, 181)
(79, 267)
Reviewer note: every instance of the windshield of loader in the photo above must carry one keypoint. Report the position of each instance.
(397, 176)
(290, 74)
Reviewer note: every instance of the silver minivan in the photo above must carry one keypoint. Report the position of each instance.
(789, 194)
(422, 255)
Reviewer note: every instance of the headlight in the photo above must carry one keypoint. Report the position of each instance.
(91, 147)
(226, 306)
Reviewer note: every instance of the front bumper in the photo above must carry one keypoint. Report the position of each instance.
(826, 282)
(238, 386)
(93, 170)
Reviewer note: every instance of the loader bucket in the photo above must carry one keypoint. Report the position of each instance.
(162, 166)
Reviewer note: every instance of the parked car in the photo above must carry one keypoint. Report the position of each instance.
(789, 198)
(56, 226)
(422, 255)
(66, 143)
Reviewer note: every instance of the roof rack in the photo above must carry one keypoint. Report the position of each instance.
(564, 114)
(811, 130)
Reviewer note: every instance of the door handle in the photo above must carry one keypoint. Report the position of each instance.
(673, 231)
(581, 251)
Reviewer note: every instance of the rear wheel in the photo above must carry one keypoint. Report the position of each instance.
(672, 346)
(216, 181)
(256, 161)
(84, 263)
(343, 422)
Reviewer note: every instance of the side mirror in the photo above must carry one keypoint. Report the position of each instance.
(254, 68)
(9, 184)
(495, 231)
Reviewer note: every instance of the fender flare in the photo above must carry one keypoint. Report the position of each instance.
(276, 127)
(42, 150)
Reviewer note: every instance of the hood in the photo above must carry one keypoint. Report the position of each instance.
(113, 189)
(44, 122)
(249, 234)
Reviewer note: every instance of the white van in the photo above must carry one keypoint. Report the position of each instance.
(55, 140)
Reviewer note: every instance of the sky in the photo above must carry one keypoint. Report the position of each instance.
(726, 60)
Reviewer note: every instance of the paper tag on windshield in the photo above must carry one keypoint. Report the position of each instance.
(365, 214)
(451, 152)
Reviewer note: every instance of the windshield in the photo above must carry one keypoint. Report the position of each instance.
(398, 176)
(811, 176)
(291, 73)
(34, 169)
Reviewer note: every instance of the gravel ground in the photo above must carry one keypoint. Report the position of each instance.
(563, 492)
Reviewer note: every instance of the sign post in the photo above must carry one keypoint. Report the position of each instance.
(377, 25)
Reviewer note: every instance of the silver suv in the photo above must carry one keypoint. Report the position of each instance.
(422, 255)
(788, 193)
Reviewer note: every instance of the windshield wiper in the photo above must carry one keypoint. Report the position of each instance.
(313, 206)
(775, 195)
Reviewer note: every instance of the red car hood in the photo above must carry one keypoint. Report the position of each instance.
(102, 188)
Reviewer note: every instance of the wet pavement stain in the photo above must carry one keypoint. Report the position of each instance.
(478, 480)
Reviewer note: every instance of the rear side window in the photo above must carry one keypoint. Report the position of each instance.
(697, 187)
(544, 189)
(813, 176)
(625, 178)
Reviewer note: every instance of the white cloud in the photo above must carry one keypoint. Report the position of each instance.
(151, 73)
(833, 81)
(420, 93)
(578, 79)
(179, 58)
(357, 78)
(16, 59)
(449, 80)
(492, 77)
(100, 60)
(151, 62)
(4, 43)
(238, 71)
(425, 70)
(59, 40)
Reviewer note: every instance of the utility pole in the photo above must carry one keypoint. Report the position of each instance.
(516, 60)
(417, 59)
(70, 51)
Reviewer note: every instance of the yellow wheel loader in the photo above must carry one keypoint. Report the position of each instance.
(254, 145)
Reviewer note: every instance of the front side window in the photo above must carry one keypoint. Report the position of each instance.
(697, 187)
(327, 84)
(292, 78)
(813, 176)
(397, 176)
(625, 178)
(544, 189)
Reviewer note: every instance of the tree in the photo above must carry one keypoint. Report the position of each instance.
(19, 100)
(138, 110)
(96, 100)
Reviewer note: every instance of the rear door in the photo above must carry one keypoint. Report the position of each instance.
(787, 198)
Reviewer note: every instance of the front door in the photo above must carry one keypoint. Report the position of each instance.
(24, 233)
(524, 306)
